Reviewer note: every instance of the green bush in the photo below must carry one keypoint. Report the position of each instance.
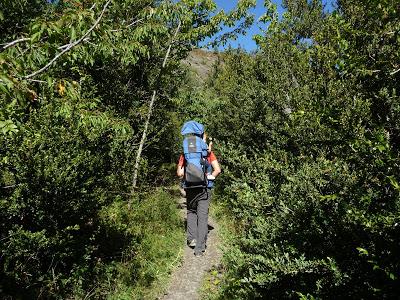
(309, 147)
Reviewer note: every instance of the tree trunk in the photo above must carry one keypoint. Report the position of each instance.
(149, 114)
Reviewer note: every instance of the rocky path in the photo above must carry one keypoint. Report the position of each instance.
(188, 278)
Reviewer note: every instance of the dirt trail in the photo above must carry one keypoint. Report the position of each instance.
(188, 278)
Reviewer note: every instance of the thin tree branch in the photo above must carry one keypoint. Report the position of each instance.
(149, 113)
(394, 72)
(87, 40)
(10, 186)
(127, 26)
(64, 46)
(39, 81)
(135, 22)
(10, 44)
(77, 42)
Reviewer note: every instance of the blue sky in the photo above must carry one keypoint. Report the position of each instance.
(247, 42)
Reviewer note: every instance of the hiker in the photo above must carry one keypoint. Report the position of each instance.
(198, 167)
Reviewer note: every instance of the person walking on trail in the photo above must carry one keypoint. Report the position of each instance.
(198, 167)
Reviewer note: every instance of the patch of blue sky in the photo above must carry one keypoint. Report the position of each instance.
(246, 41)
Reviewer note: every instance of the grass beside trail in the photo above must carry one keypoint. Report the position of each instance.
(144, 269)
(212, 288)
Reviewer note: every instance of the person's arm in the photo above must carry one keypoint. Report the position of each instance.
(210, 145)
(216, 168)
(180, 171)
(209, 149)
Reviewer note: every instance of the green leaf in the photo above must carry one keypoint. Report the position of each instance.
(362, 251)
(3, 88)
(36, 27)
(394, 182)
(73, 34)
(36, 37)
(8, 127)
(381, 148)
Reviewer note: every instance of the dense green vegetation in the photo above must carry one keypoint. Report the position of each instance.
(308, 135)
(307, 130)
(76, 78)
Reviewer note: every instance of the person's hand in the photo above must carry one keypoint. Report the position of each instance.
(210, 144)
(180, 172)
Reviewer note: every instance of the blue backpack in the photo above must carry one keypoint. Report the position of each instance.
(195, 152)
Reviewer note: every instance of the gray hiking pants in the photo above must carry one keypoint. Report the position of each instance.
(198, 202)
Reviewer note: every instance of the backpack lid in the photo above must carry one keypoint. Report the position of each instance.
(193, 145)
(192, 127)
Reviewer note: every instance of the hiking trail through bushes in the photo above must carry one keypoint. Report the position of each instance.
(188, 278)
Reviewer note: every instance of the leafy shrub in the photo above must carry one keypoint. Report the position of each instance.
(309, 151)
(76, 79)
